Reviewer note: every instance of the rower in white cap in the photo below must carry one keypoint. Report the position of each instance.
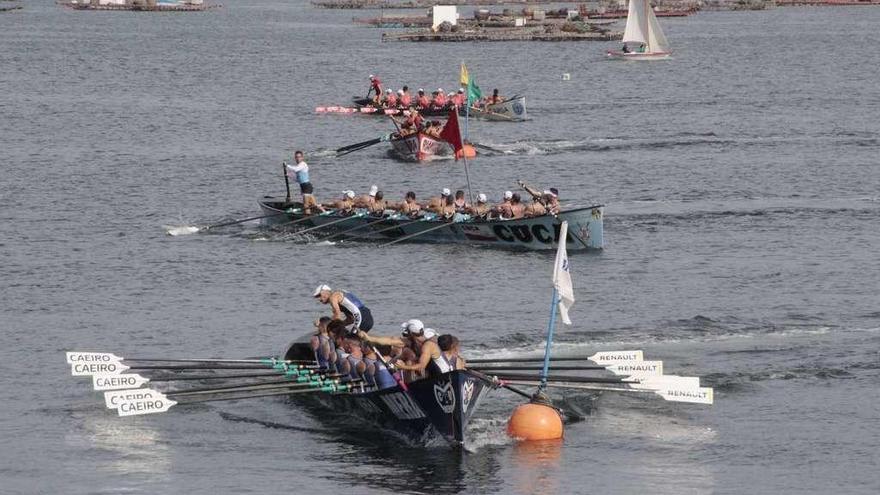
(346, 307)
(345, 204)
(423, 341)
(437, 203)
(502, 209)
(481, 209)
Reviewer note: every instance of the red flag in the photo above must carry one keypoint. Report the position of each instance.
(451, 134)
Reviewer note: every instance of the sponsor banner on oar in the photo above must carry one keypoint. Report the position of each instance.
(117, 382)
(657, 382)
(693, 395)
(105, 368)
(113, 398)
(144, 406)
(637, 368)
(615, 357)
(75, 357)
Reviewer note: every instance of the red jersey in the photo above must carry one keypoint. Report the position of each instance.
(440, 100)
(405, 100)
(423, 102)
(391, 100)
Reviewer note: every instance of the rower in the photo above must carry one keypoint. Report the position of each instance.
(449, 354)
(447, 210)
(435, 203)
(422, 340)
(516, 207)
(356, 365)
(551, 201)
(322, 343)
(503, 208)
(367, 200)
(414, 120)
(495, 98)
(379, 204)
(379, 373)
(346, 308)
(481, 209)
(410, 207)
(422, 100)
(390, 99)
(461, 205)
(375, 85)
(300, 172)
(404, 97)
(345, 204)
(337, 331)
(459, 99)
(439, 101)
(535, 209)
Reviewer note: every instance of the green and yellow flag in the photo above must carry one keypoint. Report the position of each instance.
(473, 91)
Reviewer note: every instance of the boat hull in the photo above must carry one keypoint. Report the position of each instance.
(618, 55)
(512, 110)
(586, 229)
(440, 406)
(420, 147)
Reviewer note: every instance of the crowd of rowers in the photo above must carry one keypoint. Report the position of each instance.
(343, 346)
(439, 99)
(447, 206)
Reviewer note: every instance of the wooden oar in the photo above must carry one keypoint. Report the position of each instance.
(185, 230)
(572, 379)
(410, 236)
(538, 368)
(334, 222)
(396, 226)
(307, 217)
(344, 232)
(359, 146)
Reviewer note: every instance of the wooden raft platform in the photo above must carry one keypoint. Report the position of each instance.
(513, 34)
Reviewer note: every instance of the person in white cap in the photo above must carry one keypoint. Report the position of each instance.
(345, 204)
(502, 209)
(390, 99)
(346, 307)
(439, 101)
(437, 203)
(422, 341)
(375, 85)
(482, 208)
(367, 200)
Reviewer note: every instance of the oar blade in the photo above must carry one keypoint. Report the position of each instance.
(140, 407)
(123, 381)
(181, 230)
(692, 395)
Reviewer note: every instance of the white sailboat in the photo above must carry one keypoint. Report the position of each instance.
(642, 39)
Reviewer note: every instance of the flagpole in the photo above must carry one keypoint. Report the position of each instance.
(467, 113)
(554, 302)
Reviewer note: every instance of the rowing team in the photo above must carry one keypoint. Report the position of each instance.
(341, 344)
(439, 100)
(446, 206)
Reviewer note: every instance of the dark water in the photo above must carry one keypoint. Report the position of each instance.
(743, 226)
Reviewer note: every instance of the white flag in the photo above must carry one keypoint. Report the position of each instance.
(562, 277)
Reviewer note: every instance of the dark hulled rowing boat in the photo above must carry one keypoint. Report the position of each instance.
(536, 233)
(438, 406)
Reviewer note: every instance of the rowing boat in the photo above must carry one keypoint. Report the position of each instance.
(419, 147)
(510, 110)
(440, 406)
(536, 233)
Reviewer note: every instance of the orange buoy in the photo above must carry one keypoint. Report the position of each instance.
(467, 151)
(535, 422)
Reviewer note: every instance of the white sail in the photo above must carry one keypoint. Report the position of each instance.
(636, 23)
(656, 39)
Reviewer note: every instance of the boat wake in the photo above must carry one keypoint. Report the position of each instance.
(268, 424)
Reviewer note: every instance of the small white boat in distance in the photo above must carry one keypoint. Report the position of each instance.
(642, 39)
